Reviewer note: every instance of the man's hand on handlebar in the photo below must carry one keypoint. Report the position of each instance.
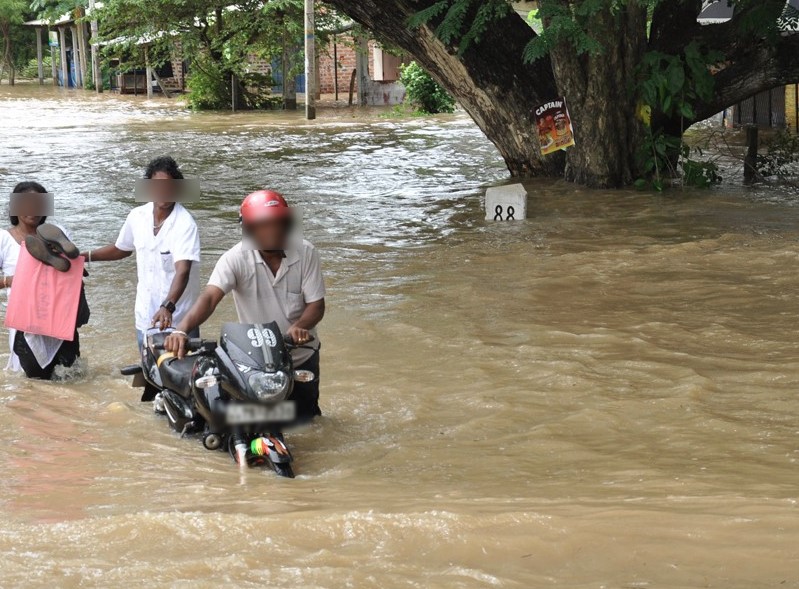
(177, 343)
(298, 336)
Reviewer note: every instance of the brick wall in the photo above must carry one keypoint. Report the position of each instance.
(346, 54)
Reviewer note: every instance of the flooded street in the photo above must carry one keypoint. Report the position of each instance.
(602, 396)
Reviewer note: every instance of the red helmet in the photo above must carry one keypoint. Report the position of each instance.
(264, 205)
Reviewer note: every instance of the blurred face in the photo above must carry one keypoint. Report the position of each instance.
(29, 208)
(270, 235)
(163, 189)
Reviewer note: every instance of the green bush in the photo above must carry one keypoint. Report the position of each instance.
(423, 92)
(208, 87)
(30, 71)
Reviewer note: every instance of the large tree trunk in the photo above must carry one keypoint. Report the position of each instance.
(491, 82)
(597, 87)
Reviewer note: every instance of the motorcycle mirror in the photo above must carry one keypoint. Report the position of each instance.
(206, 382)
(304, 375)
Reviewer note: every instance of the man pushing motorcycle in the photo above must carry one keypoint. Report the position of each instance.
(273, 278)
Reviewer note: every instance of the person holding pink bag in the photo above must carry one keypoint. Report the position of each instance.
(46, 243)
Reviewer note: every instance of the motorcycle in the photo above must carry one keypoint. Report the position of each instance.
(235, 393)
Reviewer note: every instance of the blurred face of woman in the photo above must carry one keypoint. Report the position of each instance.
(28, 209)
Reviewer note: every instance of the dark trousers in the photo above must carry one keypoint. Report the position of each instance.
(66, 356)
(306, 394)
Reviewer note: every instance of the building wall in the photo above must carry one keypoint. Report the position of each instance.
(345, 51)
(386, 91)
(792, 108)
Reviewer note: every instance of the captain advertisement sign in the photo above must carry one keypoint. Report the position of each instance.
(555, 130)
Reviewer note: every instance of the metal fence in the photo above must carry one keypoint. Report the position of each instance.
(769, 109)
(766, 109)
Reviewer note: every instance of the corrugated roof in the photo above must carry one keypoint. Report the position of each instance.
(721, 11)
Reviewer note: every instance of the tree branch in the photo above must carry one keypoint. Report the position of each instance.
(490, 79)
(674, 24)
(762, 67)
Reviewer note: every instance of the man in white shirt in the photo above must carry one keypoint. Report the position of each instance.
(167, 244)
(275, 279)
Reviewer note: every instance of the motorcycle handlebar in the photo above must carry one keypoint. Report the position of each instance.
(290, 342)
(195, 344)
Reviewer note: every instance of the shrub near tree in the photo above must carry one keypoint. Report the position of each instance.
(423, 93)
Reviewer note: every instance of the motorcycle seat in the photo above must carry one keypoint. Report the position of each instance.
(176, 374)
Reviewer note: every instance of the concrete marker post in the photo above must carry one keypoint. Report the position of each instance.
(506, 203)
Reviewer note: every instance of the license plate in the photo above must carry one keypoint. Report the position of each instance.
(248, 414)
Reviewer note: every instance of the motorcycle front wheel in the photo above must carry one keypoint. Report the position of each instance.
(283, 470)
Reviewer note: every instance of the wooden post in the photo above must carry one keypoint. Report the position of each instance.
(352, 84)
(97, 75)
(335, 66)
(148, 73)
(750, 161)
(363, 70)
(39, 55)
(234, 93)
(53, 61)
(161, 85)
(310, 60)
(63, 45)
(82, 47)
(76, 56)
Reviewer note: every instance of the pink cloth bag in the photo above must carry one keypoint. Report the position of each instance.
(43, 300)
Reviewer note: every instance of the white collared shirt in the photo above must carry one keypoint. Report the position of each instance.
(262, 297)
(156, 255)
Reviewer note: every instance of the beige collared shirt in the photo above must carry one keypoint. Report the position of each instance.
(261, 297)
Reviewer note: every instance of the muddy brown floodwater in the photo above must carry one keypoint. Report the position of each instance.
(604, 395)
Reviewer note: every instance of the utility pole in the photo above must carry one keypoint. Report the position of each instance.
(97, 76)
(310, 61)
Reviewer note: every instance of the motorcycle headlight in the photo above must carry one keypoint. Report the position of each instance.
(269, 386)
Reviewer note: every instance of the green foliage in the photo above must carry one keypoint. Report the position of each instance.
(218, 39)
(461, 22)
(697, 173)
(671, 83)
(15, 40)
(423, 92)
(668, 85)
(656, 160)
(565, 23)
(30, 70)
(209, 90)
(781, 159)
(12, 11)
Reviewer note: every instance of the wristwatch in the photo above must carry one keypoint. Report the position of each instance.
(168, 305)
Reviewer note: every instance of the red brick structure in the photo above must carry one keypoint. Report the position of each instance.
(383, 67)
